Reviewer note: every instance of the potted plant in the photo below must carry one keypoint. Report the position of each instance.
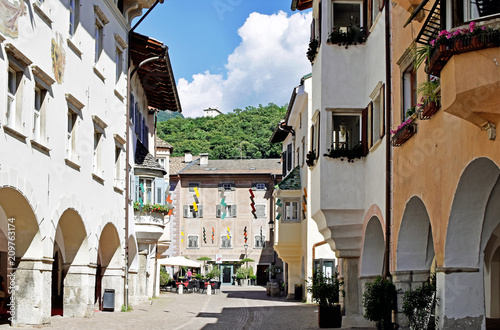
(352, 36)
(404, 131)
(253, 279)
(310, 158)
(429, 103)
(241, 275)
(418, 304)
(325, 292)
(379, 300)
(313, 49)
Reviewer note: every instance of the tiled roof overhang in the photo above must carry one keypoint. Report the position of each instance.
(156, 77)
(301, 4)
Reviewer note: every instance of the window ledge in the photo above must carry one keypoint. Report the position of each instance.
(14, 133)
(40, 147)
(42, 14)
(118, 190)
(193, 248)
(99, 74)
(98, 178)
(119, 95)
(72, 164)
(72, 45)
(376, 145)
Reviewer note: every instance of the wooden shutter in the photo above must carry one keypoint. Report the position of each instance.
(382, 111)
(318, 135)
(370, 125)
(217, 211)
(159, 197)
(137, 188)
(364, 131)
(131, 107)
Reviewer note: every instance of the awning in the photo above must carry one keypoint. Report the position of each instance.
(179, 261)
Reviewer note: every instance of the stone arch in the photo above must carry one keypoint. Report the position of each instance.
(465, 225)
(24, 225)
(110, 262)
(71, 239)
(415, 247)
(372, 256)
(470, 247)
(133, 262)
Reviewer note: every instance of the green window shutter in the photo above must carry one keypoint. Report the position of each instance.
(136, 188)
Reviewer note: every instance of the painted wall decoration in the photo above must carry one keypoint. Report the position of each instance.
(10, 11)
(58, 57)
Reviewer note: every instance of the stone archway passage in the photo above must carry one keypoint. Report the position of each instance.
(415, 248)
(30, 266)
(474, 216)
(71, 239)
(110, 263)
(372, 259)
(415, 251)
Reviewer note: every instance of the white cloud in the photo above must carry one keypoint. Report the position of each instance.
(267, 64)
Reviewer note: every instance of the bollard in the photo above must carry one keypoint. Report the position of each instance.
(181, 288)
(209, 289)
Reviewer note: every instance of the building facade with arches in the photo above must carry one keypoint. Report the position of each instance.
(64, 234)
(445, 182)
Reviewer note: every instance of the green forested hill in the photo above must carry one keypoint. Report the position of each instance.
(243, 133)
(167, 114)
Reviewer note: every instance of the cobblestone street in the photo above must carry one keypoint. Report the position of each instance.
(234, 308)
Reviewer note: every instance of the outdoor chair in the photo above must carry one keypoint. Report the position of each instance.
(190, 286)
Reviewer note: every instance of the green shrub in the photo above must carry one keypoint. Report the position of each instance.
(164, 277)
(379, 300)
(417, 304)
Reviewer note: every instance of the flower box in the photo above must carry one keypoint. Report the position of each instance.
(404, 132)
(427, 110)
(438, 58)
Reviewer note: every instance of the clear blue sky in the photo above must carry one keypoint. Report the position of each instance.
(201, 34)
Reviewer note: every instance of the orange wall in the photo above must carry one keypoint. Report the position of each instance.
(430, 163)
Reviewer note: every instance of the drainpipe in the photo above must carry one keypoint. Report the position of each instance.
(127, 149)
(315, 245)
(388, 154)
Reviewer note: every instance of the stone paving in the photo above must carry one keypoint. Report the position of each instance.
(234, 308)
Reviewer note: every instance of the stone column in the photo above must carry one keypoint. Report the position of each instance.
(353, 311)
(142, 274)
(132, 287)
(30, 286)
(79, 288)
(113, 278)
(406, 281)
(294, 278)
(461, 298)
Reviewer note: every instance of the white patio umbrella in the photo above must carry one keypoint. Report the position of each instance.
(179, 261)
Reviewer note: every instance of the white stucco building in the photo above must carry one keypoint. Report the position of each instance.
(347, 151)
(64, 138)
(298, 241)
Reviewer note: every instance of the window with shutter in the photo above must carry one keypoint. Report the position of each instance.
(200, 211)
(233, 211)
(192, 241)
(260, 241)
(225, 242)
(186, 211)
(136, 188)
(218, 211)
(289, 153)
(261, 211)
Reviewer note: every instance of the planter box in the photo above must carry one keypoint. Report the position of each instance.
(429, 109)
(329, 316)
(404, 134)
(437, 59)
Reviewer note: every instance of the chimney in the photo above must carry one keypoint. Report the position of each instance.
(188, 158)
(204, 159)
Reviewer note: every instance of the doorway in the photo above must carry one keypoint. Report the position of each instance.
(262, 278)
(227, 274)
